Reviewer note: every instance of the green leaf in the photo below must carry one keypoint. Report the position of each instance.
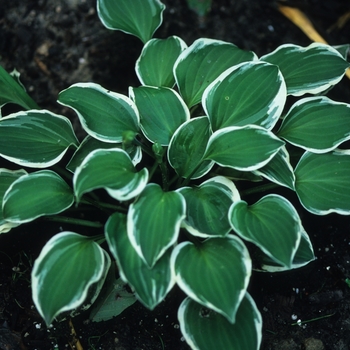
(162, 111)
(272, 224)
(210, 200)
(316, 124)
(36, 138)
(243, 148)
(310, 69)
(105, 115)
(138, 17)
(13, 92)
(7, 177)
(112, 170)
(154, 221)
(67, 266)
(187, 147)
(34, 195)
(90, 144)
(203, 62)
(155, 65)
(235, 98)
(205, 329)
(150, 285)
(215, 273)
(322, 182)
(279, 169)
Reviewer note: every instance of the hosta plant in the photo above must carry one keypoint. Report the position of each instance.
(171, 168)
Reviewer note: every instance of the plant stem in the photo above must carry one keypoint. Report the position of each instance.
(73, 221)
(188, 179)
(102, 206)
(259, 189)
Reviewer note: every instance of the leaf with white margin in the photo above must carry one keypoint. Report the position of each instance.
(187, 147)
(203, 62)
(310, 69)
(150, 285)
(34, 195)
(67, 266)
(90, 144)
(248, 93)
(316, 124)
(272, 224)
(154, 221)
(302, 257)
(322, 182)
(7, 177)
(162, 111)
(35, 138)
(279, 169)
(215, 273)
(103, 114)
(137, 17)
(245, 148)
(155, 65)
(111, 169)
(207, 206)
(204, 329)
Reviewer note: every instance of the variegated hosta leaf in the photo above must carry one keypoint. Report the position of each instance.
(243, 148)
(150, 285)
(112, 170)
(154, 221)
(162, 111)
(67, 266)
(310, 69)
(36, 138)
(203, 62)
(90, 144)
(207, 206)
(155, 65)
(11, 91)
(316, 124)
(272, 224)
(105, 115)
(215, 273)
(7, 177)
(137, 17)
(322, 182)
(205, 329)
(248, 93)
(302, 257)
(279, 169)
(187, 147)
(36, 194)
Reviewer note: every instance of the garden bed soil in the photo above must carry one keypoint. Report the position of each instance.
(55, 43)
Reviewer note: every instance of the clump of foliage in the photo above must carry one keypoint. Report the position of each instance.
(169, 155)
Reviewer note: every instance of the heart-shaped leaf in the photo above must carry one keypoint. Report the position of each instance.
(316, 124)
(207, 206)
(67, 266)
(235, 98)
(272, 224)
(154, 221)
(138, 17)
(203, 62)
(34, 195)
(155, 65)
(162, 111)
(322, 182)
(36, 138)
(112, 170)
(150, 285)
(310, 69)
(214, 273)
(105, 115)
(205, 329)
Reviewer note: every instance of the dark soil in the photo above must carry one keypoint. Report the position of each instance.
(55, 43)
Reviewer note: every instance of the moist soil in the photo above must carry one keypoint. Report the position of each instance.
(55, 43)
